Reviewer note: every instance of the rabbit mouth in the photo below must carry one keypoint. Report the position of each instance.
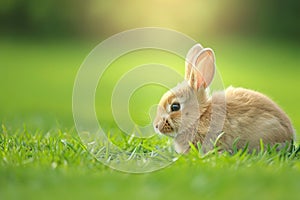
(166, 128)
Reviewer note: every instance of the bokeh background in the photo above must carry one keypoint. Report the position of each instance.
(43, 43)
(101, 19)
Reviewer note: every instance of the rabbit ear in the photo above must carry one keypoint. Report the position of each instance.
(203, 69)
(196, 49)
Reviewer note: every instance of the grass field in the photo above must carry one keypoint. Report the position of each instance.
(41, 156)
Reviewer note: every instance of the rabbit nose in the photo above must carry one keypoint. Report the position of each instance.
(156, 127)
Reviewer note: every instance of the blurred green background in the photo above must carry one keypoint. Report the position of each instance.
(270, 18)
(43, 43)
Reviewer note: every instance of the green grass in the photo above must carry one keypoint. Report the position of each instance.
(51, 165)
(41, 156)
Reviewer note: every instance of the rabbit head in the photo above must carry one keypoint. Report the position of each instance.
(180, 108)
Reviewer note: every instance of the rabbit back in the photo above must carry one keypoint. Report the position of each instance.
(251, 117)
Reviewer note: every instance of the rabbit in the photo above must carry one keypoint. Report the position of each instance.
(237, 116)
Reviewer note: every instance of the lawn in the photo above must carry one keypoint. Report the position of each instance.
(41, 156)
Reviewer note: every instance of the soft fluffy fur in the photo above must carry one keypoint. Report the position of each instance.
(236, 113)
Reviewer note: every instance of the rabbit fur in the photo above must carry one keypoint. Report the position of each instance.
(190, 115)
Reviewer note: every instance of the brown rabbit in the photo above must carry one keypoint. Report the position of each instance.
(190, 115)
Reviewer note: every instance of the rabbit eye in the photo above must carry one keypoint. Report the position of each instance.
(175, 106)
